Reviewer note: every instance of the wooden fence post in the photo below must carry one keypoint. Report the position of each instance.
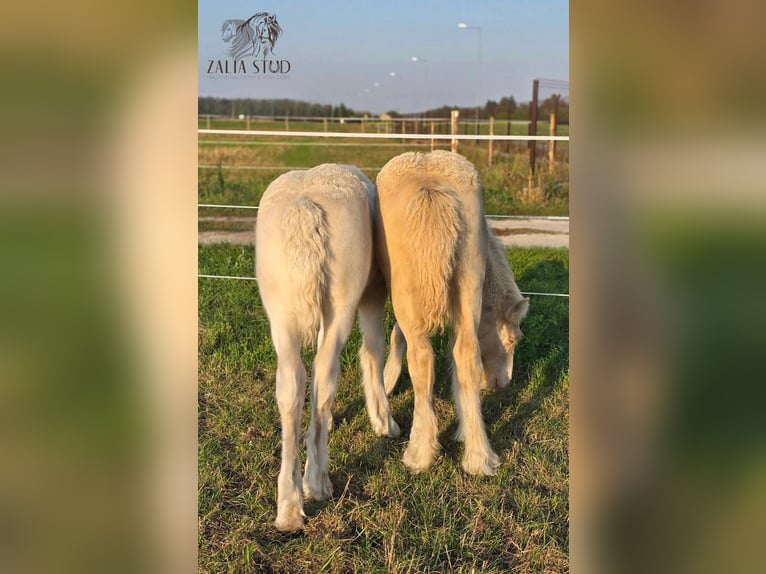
(287, 123)
(552, 145)
(432, 139)
(324, 120)
(454, 130)
(248, 122)
(491, 141)
(208, 121)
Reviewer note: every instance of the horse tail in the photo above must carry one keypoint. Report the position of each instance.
(435, 222)
(306, 238)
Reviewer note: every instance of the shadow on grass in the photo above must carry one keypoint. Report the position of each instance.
(542, 357)
(360, 457)
(541, 362)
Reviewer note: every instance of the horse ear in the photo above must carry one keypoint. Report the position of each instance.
(516, 313)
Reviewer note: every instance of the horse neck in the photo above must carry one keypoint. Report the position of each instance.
(499, 278)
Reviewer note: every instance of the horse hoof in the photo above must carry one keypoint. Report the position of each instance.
(480, 464)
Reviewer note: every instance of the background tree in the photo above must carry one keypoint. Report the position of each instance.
(490, 108)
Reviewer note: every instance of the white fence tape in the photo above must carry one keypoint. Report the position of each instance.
(318, 144)
(447, 137)
(490, 216)
(270, 167)
(532, 293)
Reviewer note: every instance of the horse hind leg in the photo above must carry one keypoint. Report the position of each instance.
(478, 457)
(290, 392)
(316, 479)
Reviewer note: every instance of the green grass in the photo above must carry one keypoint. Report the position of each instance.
(381, 518)
(504, 182)
(226, 225)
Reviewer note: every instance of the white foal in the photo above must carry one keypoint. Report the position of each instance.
(315, 268)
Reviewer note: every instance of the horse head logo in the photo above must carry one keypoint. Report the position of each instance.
(254, 37)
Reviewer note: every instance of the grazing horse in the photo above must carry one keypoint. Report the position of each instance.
(433, 246)
(503, 309)
(315, 267)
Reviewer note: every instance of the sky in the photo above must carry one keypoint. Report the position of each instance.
(344, 52)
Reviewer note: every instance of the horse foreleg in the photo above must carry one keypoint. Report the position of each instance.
(371, 312)
(395, 357)
(424, 446)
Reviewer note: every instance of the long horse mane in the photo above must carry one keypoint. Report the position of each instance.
(274, 31)
(251, 18)
(247, 33)
(499, 280)
(242, 40)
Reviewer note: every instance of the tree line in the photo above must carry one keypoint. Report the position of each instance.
(504, 109)
(272, 107)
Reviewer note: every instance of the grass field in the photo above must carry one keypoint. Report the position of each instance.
(381, 518)
(235, 170)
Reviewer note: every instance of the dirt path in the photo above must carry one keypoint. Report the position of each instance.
(526, 232)
(531, 232)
